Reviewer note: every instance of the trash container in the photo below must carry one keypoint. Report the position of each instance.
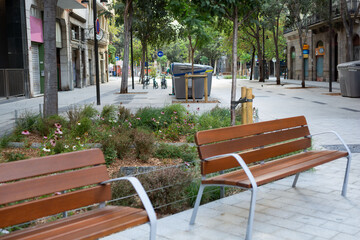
(349, 76)
(178, 71)
(256, 72)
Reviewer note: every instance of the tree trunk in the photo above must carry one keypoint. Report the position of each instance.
(252, 63)
(348, 25)
(50, 84)
(127, 24)
(277, 64)
(142, 67)
(234, 65)
(301, 58)
(260, 55)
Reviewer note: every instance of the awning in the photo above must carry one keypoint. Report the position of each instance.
(71, 4)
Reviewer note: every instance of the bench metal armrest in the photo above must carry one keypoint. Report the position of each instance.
(241, 163)
(141, 193)
(338, 136)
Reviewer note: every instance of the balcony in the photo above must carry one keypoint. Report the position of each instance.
(316, 19)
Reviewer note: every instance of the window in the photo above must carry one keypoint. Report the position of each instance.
(75, 32)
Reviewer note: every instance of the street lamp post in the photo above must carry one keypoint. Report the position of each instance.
(330, 46)
(96, 50)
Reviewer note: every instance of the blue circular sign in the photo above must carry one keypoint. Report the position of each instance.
(97, 26)
(160, 54)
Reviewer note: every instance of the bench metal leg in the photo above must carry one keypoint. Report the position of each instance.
(346, 178)
(152, 230)
(197, 204)
(251, 214)
(295, 180)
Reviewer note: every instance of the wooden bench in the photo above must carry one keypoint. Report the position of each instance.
(39, 187)
(254, 145)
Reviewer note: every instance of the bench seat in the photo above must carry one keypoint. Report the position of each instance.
(58, 185)
(90, 225)
(277, 169)
(265, 152)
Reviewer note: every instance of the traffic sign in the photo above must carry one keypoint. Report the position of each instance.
(117, 58)
(160, 54)
(97, 26)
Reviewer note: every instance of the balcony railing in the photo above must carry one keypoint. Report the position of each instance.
(316, 18)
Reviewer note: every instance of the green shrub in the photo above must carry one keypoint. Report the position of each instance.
(89, 111)
(82, 127)
(185, 152)
(170, 184)
(27, 121)
(215, 118)
(124, 114)
(144, 144)
(47, 125)
(11, 156)
(109, 112)
(4, 141)
(118, 141)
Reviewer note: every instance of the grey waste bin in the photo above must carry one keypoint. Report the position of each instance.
(349, 76)
(178, 71)
(256, 72)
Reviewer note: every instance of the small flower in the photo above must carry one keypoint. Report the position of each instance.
(45, 137)
(102, 118)
(78, 123)
(66, 146)
(77, 138)
(188, 105)
(162, 113)
(198, 109)
(110, 135)
(25, 132)
(46, 150)
(160, 131)
(187, 164)
(74, 147)
(138, 118)
(175, 112)
(81, 145)
(58, 193)
(57, 125)
(53, 142)
(58, 131)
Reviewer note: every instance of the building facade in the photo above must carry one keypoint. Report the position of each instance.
(74, 46)
(316, 47)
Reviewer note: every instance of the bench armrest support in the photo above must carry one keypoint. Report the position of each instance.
(142, 194)
(242, 164)
(338, 136)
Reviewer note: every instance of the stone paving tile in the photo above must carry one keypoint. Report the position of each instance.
(343, 236)
(292, 235)
(340, 227)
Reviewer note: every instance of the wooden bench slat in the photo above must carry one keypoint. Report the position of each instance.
(35, 187)
(219, 164)
(277, 169)
(221, 134)
(84, 226)
(28, 211)
(241, 144)
(94, 230)
(50, 164)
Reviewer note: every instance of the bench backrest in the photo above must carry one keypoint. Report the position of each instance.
(33, 188)
(254, 142)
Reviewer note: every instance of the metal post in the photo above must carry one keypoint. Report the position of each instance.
(263, 60)
(132, 58)
(330, 46)
(96, 56)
